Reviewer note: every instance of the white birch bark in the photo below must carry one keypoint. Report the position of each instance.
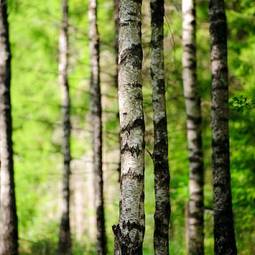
(129, 232)
(64, 245)
(195, 214)
(96, 126)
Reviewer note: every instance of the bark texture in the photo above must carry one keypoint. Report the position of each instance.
(224, 233)
(64, 246)
(8, 220)
(195, 214)
(160, 153)
(129, 232)
(96, 120)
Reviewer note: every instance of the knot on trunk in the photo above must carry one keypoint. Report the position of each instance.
(124, 243)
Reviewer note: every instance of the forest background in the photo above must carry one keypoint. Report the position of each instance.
(34, 33)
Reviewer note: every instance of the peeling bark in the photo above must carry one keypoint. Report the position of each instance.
(129, 232)
(64, 245)
(195, 214)
(96, 121)
(160, 153)
(8, 220)
(224, 233)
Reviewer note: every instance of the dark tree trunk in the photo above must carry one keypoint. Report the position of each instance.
(160, 153)
(64, 247)
(129, 232)
(195, 214)
(224, 233)
(116, 22)
(96, 121)
(8, 220)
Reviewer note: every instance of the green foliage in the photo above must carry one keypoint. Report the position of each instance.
(240, 103)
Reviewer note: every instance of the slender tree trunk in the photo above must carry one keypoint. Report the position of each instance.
(160, 153)
(116, 22)
(129, 232)
(96, 120)
(195, 215)
(224, 233)
(64, 247)
(8, 220)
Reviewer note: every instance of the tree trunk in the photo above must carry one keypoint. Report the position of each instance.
(116, 21)
(64, 247)
(195, 212)
(116, 24)
(160, 153)
(8, 220)
(224, 233)
(96, 120)
(129, 232)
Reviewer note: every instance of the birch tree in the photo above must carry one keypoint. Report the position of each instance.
(8, 214)
(129, 232)
(116, 23)
(65, 233)
(160, 153)
(96, 120)
(195, 219)
(224, 233)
